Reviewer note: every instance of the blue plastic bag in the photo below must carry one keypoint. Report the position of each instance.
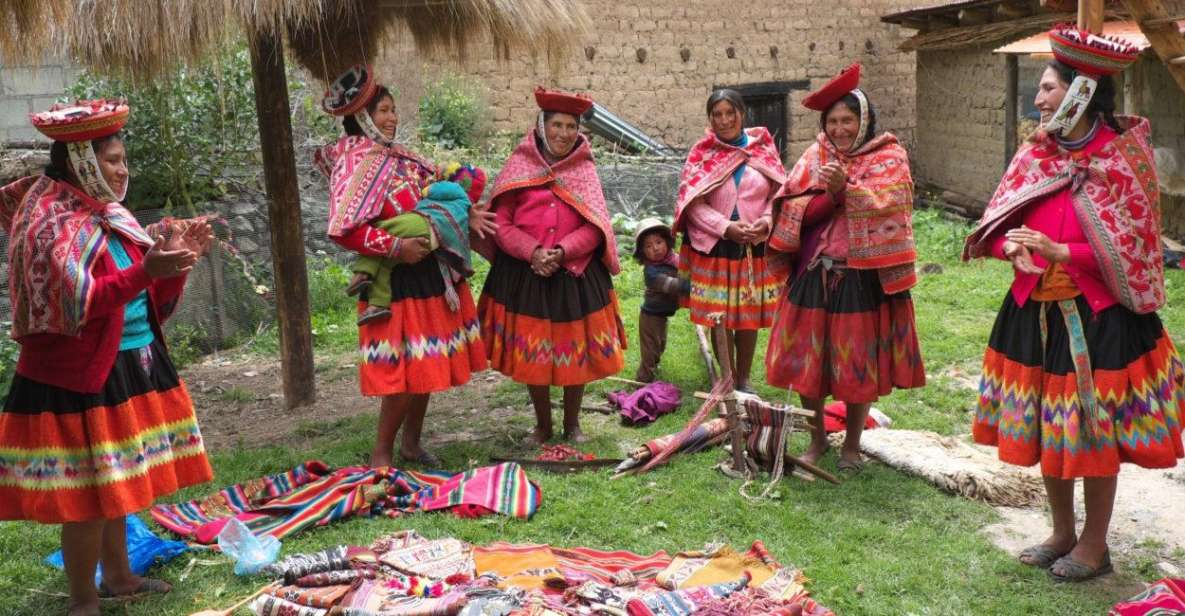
(251, 553)
(144, 550)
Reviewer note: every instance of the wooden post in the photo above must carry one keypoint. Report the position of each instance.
(1090, 16)
(283, 212)
(1157, 26)
(724, 354)
(1011, 73)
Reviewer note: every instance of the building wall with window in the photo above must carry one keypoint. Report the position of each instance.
(655, 63)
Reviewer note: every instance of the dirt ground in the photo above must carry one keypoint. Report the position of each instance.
(239, 400)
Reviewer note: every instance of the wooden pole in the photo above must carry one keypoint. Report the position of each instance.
(1011, 75)
(1162, 33)
(1090, 16)
(283, 212)
(724, 354)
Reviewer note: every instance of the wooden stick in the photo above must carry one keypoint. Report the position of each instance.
(1090, 16)
(800, 463)
(801, 474)
(724, 353)
(626, 381)
(232, 609)
(701, 335)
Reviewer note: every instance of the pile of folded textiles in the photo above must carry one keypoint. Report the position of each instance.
(405, 574)
(313, 494)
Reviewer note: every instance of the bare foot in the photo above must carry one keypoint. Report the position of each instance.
(538, 438)
(575, 435)
(814, 452)
(422, 456)
(133, 586)
(380, 461)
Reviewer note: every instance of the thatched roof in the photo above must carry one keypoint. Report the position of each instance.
(145, 37)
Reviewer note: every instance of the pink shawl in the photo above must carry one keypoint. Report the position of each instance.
(878, 204)
(1116, 196)
(56, 237)
(573, 179)
(711, 162)
(363, 175)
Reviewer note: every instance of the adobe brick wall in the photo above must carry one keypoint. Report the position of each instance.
(664, 95)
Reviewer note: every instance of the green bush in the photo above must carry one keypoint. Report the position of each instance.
(9, 349)
(453, 114)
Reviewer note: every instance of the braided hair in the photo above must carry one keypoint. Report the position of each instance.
(1103, 101)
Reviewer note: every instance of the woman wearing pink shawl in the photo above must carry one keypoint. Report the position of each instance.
(723, 210)
(549, 314)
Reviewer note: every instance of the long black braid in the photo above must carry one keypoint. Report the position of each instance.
(1103, 101)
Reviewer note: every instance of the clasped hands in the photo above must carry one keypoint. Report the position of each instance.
(747, 233)
(546, 261)
(1022, 243)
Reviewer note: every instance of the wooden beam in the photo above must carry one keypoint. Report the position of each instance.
(974, 17)
(1162, 21)
(283, 211)
(1059, 5)
(1006, 11)
(1164, 38)
(1011, 76)
(1133, 89)
(1090, 16)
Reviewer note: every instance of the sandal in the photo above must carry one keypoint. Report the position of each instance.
(1040, 555)
(849, 466)
(147, 586)
(1075, 571)
(424, 458)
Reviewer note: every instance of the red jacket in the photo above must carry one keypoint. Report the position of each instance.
(82, 363)
(535, 218)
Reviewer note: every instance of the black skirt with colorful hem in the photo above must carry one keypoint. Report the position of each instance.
(838, 334)
(727, 281)
(1028, 396)
(67, 456)
(424, 346)
(556, 330)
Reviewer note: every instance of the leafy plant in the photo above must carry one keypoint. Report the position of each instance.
(9, 350)
(453, 114)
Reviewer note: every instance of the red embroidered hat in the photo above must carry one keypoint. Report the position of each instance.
(823, 98)
(1091, 54)
(563, 102)
(351, 91)
(84, 120)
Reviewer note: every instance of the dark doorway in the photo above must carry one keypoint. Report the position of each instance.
(766, 106)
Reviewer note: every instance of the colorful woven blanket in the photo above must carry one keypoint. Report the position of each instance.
(1116, 196)
(1165, 597)
(878, 206)
(312, 495)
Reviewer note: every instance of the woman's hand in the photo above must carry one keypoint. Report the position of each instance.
(834, 177)
(481, 220)
(1039, 243)
(759, 231)
(546, 262)
(412, 250)
(739, 232)
(1021, 258)
(160, 262)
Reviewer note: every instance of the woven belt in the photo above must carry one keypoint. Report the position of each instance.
(1080, 355)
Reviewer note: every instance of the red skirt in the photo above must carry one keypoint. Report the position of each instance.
(727, 281)
(1028, 396)
(840, 335)
(559, 330)
(71, 457)
(424, 346)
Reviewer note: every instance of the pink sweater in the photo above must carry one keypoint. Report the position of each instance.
(708, 218)
(535, 218)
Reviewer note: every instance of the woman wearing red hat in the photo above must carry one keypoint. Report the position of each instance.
(549, 314)
(1079, 373)
(723, 210)
(97, 423)
(425, 338)
(845, 325)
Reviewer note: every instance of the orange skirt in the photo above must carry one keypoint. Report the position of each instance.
(71, 457)
(559, 330)
(727, 281)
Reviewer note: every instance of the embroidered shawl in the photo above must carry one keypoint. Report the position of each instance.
(573, 179)
(1116, 196)
(363, 174)
(878, 205)
(56, 236)
(711, 161)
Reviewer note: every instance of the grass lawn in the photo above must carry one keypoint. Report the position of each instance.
(882, 543)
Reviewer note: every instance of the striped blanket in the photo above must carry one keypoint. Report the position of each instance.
(314, 495)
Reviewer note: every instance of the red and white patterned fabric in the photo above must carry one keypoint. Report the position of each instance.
(1116, 195)
(574, 180)
(711, 162)
(57, 235)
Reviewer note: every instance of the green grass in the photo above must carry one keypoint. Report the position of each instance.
(882, 543)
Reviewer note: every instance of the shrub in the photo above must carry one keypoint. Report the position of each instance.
(453, 114)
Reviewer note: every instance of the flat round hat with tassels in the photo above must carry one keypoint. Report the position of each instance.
(351, 91)
(84, 120)
(1091, 54)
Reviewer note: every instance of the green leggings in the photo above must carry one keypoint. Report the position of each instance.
(403, 226)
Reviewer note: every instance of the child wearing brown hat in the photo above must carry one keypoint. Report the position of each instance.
(654, 248)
